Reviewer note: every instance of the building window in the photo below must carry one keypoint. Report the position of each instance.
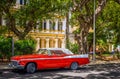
(21, 2)
(44, 25)
(59, 26)
(52, 25)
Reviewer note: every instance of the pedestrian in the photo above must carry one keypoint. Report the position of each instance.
(113, 53)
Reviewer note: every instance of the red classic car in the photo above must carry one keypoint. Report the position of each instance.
(49, 58)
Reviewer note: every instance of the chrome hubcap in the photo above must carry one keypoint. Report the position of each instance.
(74, 66)
(31, 68)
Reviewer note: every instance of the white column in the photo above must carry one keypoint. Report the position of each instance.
(38, 43)
(56, 43)
(3, 21)
(17, 1)
(63, 43)
(56, 25)
(42, 25)
(64, 25)
(70, 28)
(47, 43)
(47, 25)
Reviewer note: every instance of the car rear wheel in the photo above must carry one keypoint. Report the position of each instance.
(31, 68)
(74, 66)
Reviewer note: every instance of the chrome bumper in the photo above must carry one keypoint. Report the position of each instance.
(15, 65)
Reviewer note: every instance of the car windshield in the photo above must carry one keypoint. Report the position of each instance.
(42, 51)
(54, 50)
(62, 51)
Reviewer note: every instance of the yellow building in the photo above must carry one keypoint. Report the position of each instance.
(50, 36)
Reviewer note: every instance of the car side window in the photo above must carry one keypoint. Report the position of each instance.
(52, 52)
(58, 52)
(43, 51)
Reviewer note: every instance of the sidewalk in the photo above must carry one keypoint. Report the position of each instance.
(4, 65)
(103, 62)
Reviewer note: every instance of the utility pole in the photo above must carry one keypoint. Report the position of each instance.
(94, 21)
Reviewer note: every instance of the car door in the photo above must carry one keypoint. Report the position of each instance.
(55, 59)
(43, 59)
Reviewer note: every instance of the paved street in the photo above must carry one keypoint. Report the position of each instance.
(92, 71)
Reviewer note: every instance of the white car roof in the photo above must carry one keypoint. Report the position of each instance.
(67, 51)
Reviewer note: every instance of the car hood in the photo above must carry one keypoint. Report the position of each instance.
(26, 57)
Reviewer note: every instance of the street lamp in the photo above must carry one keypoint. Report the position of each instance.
(94, 20)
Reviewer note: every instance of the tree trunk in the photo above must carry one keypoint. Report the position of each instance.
(0, 20)
(83, 47)
(67, 30)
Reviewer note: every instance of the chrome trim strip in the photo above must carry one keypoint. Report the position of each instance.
(74, 56)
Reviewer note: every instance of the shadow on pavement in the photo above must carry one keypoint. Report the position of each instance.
(99, 71)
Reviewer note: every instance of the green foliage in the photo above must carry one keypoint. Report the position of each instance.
(21, 47)
(38, 10)
(3, 30)
(26, 16)
(6, 46)
(107, 26)
(73, 47)
(111, 20)
(24, 46)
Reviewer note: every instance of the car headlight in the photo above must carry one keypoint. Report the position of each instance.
(14, 63)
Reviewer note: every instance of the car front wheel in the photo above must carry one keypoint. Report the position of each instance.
(31, 68)
(74, 66)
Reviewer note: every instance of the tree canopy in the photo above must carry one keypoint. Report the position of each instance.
(83, 12)
(25, 16)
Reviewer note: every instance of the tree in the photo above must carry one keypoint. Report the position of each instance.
(82, 11)
(5, 47)
(26, 16)
(112, 19)
(108, 24)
